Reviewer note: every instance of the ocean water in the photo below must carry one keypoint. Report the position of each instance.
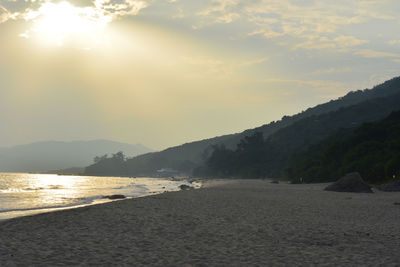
(24, 194)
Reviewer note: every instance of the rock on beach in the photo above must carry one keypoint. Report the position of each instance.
(351, 182)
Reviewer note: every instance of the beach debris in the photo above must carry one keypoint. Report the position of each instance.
(275, 182)
(396, 203)
(351, 182)
(185, 187)
(390, 187)
(115, 197)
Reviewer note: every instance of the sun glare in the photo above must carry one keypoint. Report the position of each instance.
(62, 23)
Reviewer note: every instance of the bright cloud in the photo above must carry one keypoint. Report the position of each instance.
(314, 24)
(368, 53)
(6, 15)
(394, 42)
(59, 22)
(3, 14)
(332, 70)
(30, 9)
(120, 8)
(222, 11)
(340, 42)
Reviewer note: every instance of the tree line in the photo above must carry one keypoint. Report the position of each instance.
(372, 149)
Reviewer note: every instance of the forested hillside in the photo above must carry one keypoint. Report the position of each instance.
(257, 157)
(372, 149)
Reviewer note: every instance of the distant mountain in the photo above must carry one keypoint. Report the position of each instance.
(54, 155)
(187, 157)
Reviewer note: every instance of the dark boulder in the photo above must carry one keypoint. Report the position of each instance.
(185, 187)
(351, 182)
(115, 197)
(274, 182)
(390, 187)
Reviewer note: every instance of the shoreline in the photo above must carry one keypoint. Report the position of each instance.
(13, 214)
(17, 213)
(228, 222)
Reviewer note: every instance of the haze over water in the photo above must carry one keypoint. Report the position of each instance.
(23, 194)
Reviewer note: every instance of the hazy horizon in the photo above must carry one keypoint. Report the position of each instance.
(163, 73)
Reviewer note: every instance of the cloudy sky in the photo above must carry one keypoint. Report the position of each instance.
(165, 72)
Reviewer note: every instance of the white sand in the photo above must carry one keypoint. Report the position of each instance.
(233, 223)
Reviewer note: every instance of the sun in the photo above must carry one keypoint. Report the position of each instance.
(62, 23)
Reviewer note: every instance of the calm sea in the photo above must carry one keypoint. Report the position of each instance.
(24, 194)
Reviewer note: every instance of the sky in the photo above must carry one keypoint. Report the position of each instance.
(167, 72)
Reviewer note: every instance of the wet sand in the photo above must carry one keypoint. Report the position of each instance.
(230, 223)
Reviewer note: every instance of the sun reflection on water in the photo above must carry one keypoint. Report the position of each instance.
(53, 189)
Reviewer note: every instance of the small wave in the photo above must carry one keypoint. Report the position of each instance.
(51, 187)
(132, 185)
(30, 189)
(74, 203)
(89, 200)
(12, 190)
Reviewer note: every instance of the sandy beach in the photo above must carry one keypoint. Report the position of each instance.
(229, 223)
